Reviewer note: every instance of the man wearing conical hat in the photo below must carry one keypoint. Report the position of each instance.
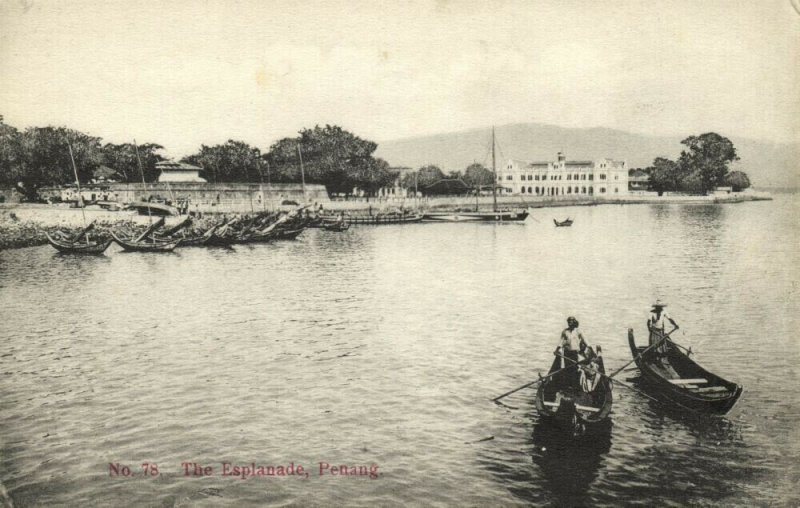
(657, 323)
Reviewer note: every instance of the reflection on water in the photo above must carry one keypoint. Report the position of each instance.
(384, 345)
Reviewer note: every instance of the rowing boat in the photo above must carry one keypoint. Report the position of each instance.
(562, 399)
(563, 224)
(670, 374)
(146, 245)
(78, 247)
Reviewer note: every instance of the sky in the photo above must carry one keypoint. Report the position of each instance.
(184, 73)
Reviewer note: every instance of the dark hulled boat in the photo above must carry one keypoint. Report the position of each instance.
(670, 374)
(563, 224)
(78, 246)
(145, 245)
(562, 400)
(336, 226)
(497, 216)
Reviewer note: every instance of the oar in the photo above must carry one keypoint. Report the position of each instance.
(626, 385)
(665, 337)
(531, 383)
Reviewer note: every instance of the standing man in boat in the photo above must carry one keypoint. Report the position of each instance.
(657, 324)
(572, 344)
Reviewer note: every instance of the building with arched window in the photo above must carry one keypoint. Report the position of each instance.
(601, 177)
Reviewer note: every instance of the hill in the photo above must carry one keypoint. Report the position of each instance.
(767, 164)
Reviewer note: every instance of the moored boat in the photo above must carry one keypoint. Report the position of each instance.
(563, 224)
(336, 226)
(497, 216)
(670, 374)
(78, 247)
(576, 402)
(145, 245)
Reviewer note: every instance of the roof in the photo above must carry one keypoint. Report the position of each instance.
(579, 163)
(448, 186)
(176, 166)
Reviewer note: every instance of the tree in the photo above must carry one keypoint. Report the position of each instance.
(664, 175)
(331, 156)
(455, 175)
(706, 160)
(122, 158)
(10, 153)
(45, 157)
(476, 175)
(234, 161)
(428, 175)
(738, 180)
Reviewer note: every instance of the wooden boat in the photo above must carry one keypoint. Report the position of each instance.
(199, 240)
(78, 247)
(563, 224)
(497, 216)
(336, 226)
(379, 219)
(561, 399)
(146, 245)
(288, 234)
(671, 375)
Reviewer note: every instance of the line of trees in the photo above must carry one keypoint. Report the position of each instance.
(39, 156)
(702, 166)
(475, 176)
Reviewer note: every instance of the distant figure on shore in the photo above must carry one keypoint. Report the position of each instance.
(572, 344)
(657, 322)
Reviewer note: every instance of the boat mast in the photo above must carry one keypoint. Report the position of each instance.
(494, 173)
(77, 182)
(144, 184)
(302, 173)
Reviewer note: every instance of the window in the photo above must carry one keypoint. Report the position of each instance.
(576, 189)
(602, 176)
(569, 190)
(616, 177)
(569, 177)
(523, 189)
(529, 190)
(583, 176)
(509, 177)
(591, 177)
(602, 190)
(583, 190)
(530, 177)
(616, 189)
(537, 190)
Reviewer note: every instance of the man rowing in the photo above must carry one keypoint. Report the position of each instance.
(572, 344)
(657, 324)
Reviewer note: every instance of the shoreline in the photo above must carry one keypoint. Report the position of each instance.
(24, 224)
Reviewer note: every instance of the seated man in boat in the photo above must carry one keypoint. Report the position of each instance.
(657, 324)
(590, 373)
(572, 344)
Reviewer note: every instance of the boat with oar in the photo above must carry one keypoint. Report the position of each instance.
(80, 243)
(564, 223)
(576, 396)
(671, 374)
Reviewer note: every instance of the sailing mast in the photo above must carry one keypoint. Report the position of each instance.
(494, 173)
(144, 184)
(77, 182)
(302, 173)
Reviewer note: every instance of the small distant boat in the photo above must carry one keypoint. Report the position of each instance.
(78, 247)
(563, 224)
(562, 400)
(670, 374)
(146, 245)
(336, 226)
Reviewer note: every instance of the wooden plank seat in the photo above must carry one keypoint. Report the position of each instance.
(711, 389)
(688, 381)
(577, 406)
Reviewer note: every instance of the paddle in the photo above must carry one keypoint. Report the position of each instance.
(626, 385)
(531, 383)
(665, 337)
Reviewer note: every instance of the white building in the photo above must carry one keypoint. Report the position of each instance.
(178, 172)
(602, 177)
